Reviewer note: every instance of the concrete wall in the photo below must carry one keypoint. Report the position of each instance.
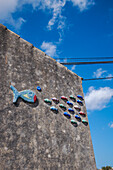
(31, 135)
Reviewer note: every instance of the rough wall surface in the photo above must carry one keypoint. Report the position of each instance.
(31, 135)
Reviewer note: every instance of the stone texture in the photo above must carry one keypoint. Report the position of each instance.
(31, 135)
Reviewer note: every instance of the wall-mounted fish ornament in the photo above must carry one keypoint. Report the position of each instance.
(80, 97)
(67, 115)
(71, 110)
(69, 103)
(80, 102)
(77, 107)
(26, 95)
(64, 98)
(54, 109)
(47, 101)
(82, 113)
(38, 88)
(55, 99)
(73, 122)
(62, 106)
(72, 98)
(77, 117)
(85, 122)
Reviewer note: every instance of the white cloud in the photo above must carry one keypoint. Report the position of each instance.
(101, 73)
(49, 48)
(9, 7)
(98, 99)
(83, 4)
(57, 6)
(73, 67)
(110, 125)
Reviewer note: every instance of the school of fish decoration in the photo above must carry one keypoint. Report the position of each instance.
(30, 96)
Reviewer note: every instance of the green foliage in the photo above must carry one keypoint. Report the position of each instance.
(106, 168)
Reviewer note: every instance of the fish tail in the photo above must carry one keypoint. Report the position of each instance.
(15, 92)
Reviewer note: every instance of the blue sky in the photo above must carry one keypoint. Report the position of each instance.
(74, 28)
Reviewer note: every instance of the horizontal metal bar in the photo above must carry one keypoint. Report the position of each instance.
(82, 58)
(83, 63)
(97, 78)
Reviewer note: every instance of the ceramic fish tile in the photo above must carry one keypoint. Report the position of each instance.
(64, 98)
(55, 99)
(77, 117)
(54, 109)
(80, 97)
(82, 113)
(67, 115)
(69, 103)
(26, 95)
(39, 88)
(80, 102)
(47, 101)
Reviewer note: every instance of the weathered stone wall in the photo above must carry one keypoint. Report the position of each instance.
(31, 135)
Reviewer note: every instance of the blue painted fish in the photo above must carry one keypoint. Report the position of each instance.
(26, 95)
(80, 97)
(77, 117)
(79, 101)
(67, 115)
(69, 103)
(70, 110)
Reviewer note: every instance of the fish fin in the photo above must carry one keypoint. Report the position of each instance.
(16, 93)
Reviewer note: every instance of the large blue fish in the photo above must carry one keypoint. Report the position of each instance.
(26, 95)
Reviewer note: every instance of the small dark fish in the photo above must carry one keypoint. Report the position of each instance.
(73, 122)
(62, 106)
(80, 97)
(72, 97)
(64, 98)
(54, 109)
(38, 88)
(47, 101)
(82, 113)
(55, 99)
(71, 110)
(67, 115)
(77, 107)
(79, 101)
(77, 117)
(69, 103)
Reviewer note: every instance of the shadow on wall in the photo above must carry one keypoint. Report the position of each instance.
(27, 103)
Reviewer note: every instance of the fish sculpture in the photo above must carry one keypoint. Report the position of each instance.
(71, 110)
(77, 117)
(77, 107)
(55, 99)
(69, 103)
(47, 101)
(82, 113)
(73, 122)
(54, 109)
(85, 122)
(80, 97)
(26, 95)
(62, 106)
(39, 88)
(80, 102)
(72, 98)
(67, 115)
(64, 98)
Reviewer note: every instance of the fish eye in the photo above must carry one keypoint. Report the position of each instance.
(30, 93)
